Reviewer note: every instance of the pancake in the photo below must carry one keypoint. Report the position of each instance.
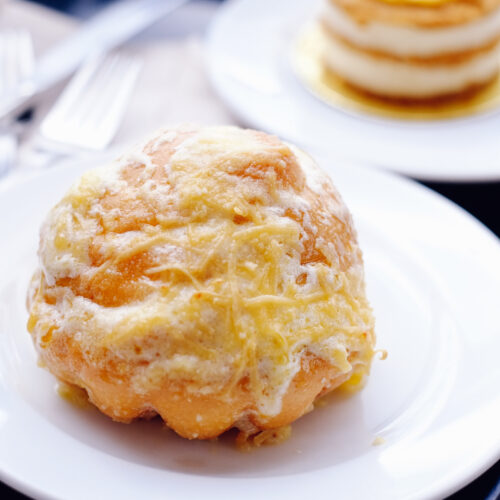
(411, 49)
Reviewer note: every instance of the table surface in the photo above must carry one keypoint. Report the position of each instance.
(173, 87)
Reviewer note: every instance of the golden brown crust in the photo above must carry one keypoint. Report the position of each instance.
(191, 415)
(451, 13)
(448, 59)
(238, 267)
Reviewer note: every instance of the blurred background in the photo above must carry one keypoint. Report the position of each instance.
(481, 199)
(80, 8)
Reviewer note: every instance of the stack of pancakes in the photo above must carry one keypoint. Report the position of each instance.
(413, 49)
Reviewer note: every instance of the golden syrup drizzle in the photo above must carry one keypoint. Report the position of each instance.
(324, 84)
(72, 394)
(419, 3)
(268, 437)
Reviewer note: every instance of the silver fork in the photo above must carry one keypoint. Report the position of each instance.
(16, 64)
(88, 113)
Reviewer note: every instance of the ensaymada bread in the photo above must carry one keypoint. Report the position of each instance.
(211, 276)
(413, 49)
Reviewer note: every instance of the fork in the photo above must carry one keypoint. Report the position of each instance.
(16, 64)
(88, 113)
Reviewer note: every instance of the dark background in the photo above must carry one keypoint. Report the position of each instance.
(81, 8)
(480, 199)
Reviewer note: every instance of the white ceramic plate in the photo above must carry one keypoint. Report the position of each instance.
(433, 276)
(249, 51)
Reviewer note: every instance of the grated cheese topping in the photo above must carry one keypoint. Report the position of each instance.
(208, 256)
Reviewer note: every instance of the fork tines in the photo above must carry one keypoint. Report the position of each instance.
(90, 109)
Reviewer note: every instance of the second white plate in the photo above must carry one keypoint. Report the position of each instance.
(249, 53)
